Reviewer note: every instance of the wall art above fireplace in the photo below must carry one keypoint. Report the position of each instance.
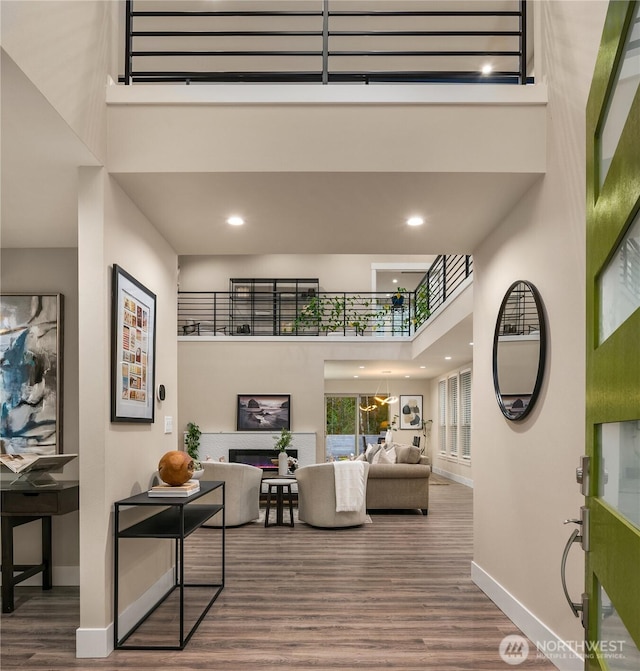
(263, 412)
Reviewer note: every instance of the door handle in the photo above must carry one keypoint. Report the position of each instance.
(576, 537)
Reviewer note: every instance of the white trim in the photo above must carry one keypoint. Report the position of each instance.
(460, 479)
(94, 643)
(316, 94)
(526, 621)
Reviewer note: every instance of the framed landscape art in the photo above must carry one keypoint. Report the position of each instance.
(411, 412)
(31, 346)
(133, 349)
(263, 412)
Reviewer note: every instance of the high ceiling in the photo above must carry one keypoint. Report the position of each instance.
(285, 212)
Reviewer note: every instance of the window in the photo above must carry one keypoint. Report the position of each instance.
(442, 416)
(352, 421)
(454, 416)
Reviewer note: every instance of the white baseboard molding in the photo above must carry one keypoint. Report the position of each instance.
(62, 575)
(453, 476)
(559, 652)
(94, 643)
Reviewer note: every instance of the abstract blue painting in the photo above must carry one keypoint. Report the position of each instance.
(30, 373)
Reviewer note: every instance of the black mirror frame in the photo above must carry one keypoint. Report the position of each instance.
(541, 358)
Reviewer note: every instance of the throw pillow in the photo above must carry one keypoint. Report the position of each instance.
(407, 454)
(381, 457)
(372, 450)
(391, 454)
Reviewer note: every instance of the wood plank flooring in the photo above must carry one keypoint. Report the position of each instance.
(394, 594)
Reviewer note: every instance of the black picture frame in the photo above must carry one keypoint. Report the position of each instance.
(133, 349)
(263, 412)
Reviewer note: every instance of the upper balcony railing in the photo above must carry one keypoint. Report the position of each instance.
(323, 41)
(311, 313)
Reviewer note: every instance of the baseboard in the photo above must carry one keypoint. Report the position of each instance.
(453, 476)
(62, 575)
(559, 652)
(94, 643)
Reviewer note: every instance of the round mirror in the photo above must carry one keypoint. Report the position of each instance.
(519, 347)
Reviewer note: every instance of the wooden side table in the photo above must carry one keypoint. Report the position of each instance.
(21, 503)
(280, 485)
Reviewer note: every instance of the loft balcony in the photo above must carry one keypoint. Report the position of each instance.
(327, 42)
(296, 307)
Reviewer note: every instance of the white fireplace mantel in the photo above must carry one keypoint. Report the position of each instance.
(215, 446)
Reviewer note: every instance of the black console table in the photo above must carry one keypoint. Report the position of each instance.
(22, 502)
(178, 518)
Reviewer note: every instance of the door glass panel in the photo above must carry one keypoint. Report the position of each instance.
(620, 468)
(619, 284)
(622, 95)
(614, 641)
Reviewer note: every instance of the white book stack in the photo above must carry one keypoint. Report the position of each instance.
(189, 488)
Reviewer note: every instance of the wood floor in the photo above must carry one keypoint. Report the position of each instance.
(393, 594)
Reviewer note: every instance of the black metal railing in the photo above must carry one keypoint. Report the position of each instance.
(305, 313)
(313, 42)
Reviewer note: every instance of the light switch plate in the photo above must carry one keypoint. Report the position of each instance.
(168, 424)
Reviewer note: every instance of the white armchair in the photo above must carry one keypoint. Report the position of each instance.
(317, 498)
(242, 492)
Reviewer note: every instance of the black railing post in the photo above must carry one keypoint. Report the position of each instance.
(466, 266)
(127, 41)
(523, 41)
(325, 42)
(444, 278)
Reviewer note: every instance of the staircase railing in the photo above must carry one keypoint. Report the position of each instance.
(291, 314)
(315, 41)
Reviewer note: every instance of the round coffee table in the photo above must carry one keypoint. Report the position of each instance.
(279, 485)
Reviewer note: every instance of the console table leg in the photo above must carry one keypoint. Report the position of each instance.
(7, 564)
(47, 554)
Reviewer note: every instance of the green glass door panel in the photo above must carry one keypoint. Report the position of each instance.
(613, 343)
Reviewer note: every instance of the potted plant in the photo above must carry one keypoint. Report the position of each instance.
(398, 297)
(282, 441)
(192, 443)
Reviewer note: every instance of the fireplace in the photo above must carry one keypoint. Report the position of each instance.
(257, 457)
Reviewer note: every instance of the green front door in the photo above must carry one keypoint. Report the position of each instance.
(613, 346)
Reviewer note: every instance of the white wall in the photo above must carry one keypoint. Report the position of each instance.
(120, 459)
(335, 272)
(67, 48)
(524, 483)
(52, 271)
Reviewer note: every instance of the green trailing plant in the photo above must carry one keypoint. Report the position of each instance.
(192, 443)
(421, 310)
(283, 440)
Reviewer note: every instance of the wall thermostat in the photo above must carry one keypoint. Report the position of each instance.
(161, 392)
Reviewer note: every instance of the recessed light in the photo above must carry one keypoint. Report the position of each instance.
(447, 358)
(471, 344)
(422, 366)
(235, 221)
(415, 221)
(360, 366)
(356, 376)
(394, 280)
(487, 69)
(407, 375)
